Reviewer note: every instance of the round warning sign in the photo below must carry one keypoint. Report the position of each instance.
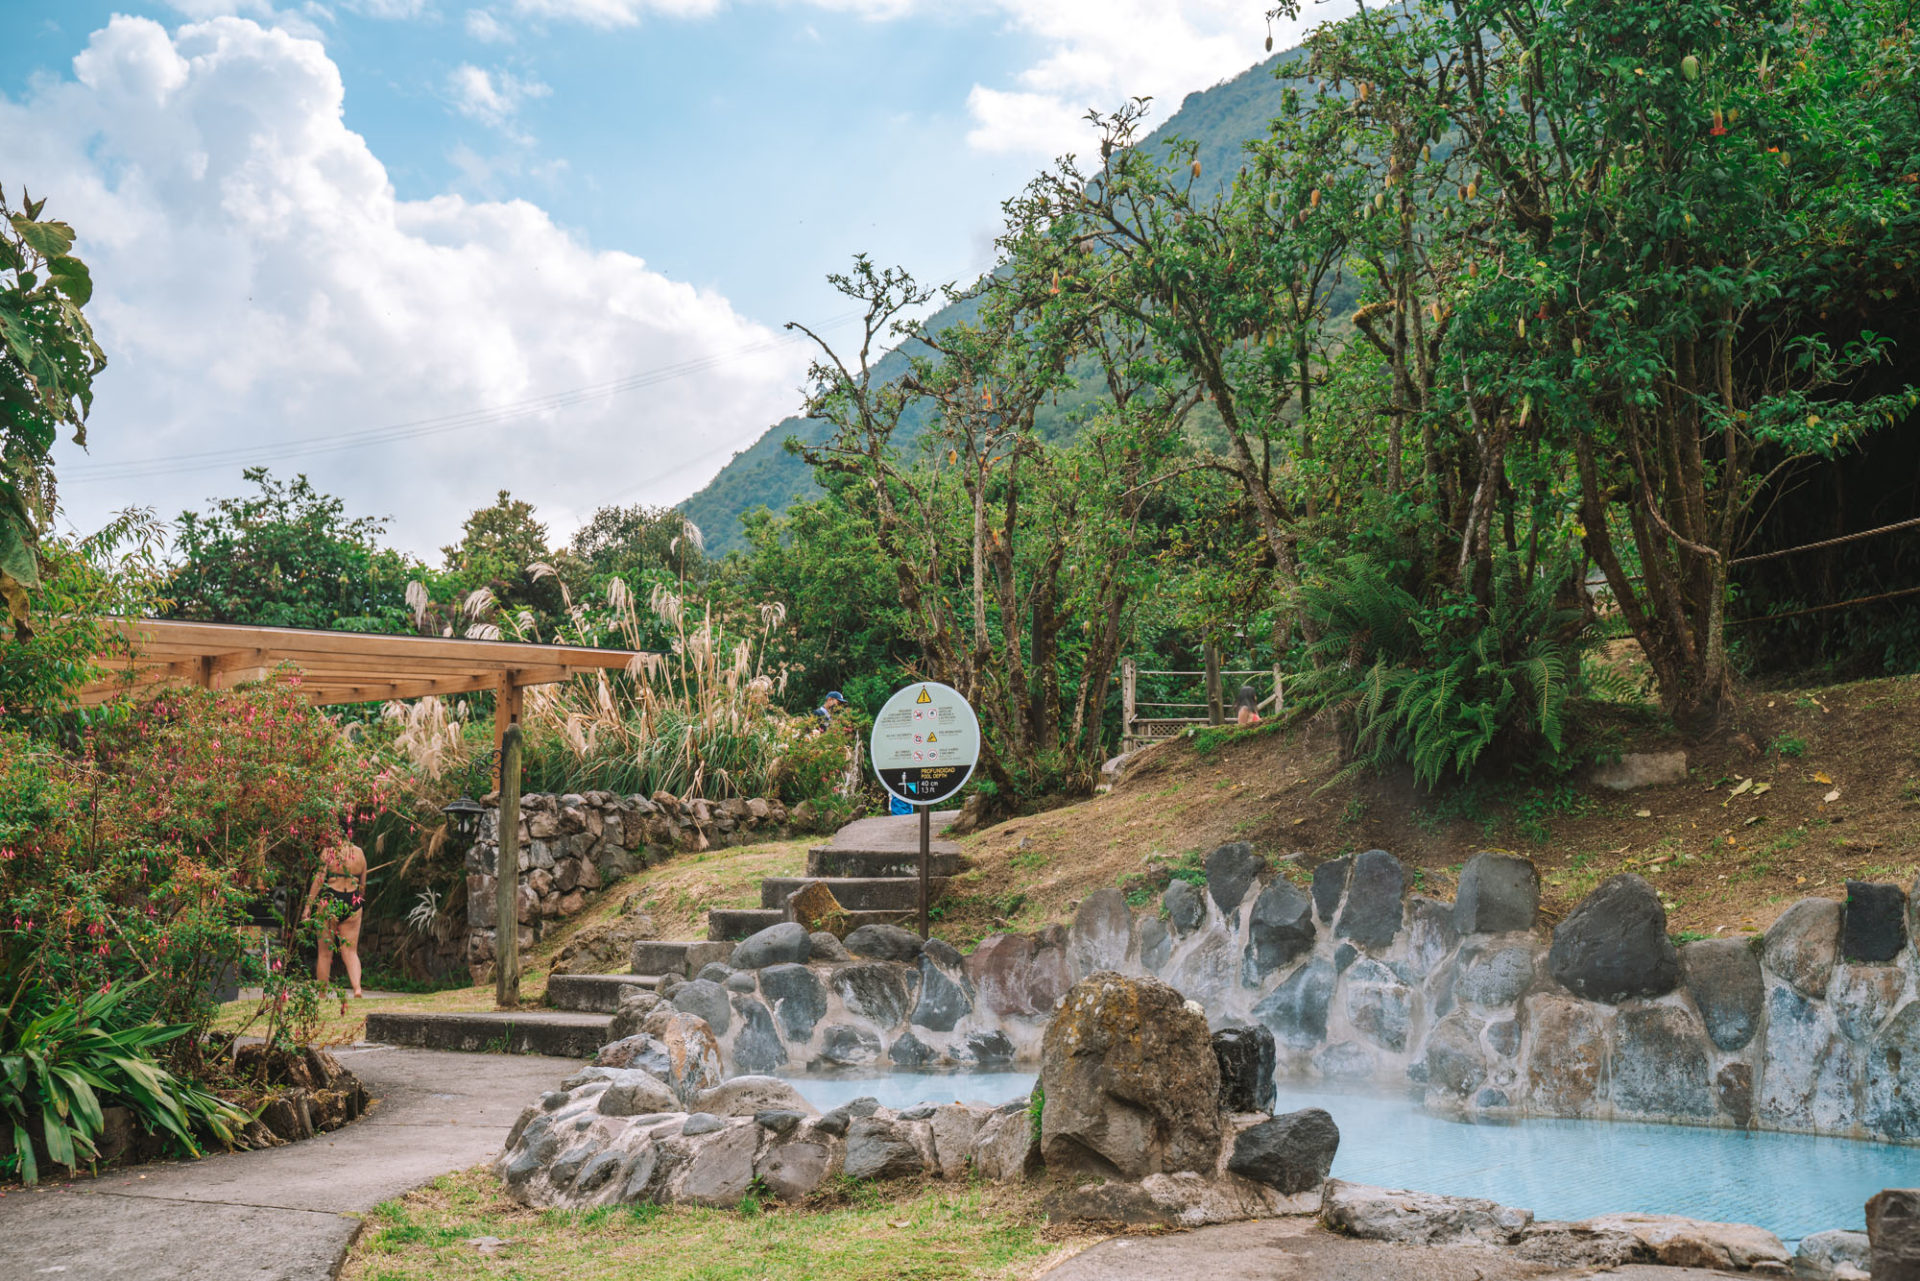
(926, 741)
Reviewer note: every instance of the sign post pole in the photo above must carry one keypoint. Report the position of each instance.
(926, 741)
(926, 857)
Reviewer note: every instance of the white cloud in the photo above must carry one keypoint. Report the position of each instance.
(487, 29)
(262, 290)
(491, 97)
(1102, 52)
(389, 8)
(614, 13)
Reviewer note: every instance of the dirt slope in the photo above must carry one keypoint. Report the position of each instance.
(1752, 830)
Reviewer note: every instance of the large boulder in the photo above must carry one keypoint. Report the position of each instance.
(1454, 1061)
(1893, 1100)
(1659, 1065)
(1724, 977)
(883, 1148)
(756, 1046)
(635, 1005)
(1292, 1153)
(676, 1048)
(1418, 1218)
(1130, 1081)
(944, 999)
(706, 999)
(875, 991)
(1807, 1082)
(1893, 1234)
(1802, 946)
(1431, 935)
(1493, 974)
(1014, 974)
(1186, 906)
(1296, 1011)
(1379, 1007)
(1246, 1059)
(1152, 943)
(1822, 1254)
(783, 944)
(1567, 1066)
(1330, 885)
(884, 943)
(751, 1095)
(1691, 1243)
(1862, 996)
(1279, 931)
(1376, 901)
(797, 997)
(1102, 928)
(1231, 869)
(814, 908)
(1614, 945)
(1874, 923)
(1498, 894)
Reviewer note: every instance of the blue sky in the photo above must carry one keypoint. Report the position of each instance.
(320, 231)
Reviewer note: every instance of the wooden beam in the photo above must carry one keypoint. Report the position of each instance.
(228, 637)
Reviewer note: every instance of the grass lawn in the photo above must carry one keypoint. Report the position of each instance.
(862, 1232)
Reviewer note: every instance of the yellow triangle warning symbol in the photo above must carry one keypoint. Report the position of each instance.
(924, 696)
(933, 738)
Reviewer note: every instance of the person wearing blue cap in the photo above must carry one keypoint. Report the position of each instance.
(824, 713)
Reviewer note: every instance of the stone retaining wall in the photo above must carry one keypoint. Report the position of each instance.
(573, 845)
(786, 1000)
(1813, 1028)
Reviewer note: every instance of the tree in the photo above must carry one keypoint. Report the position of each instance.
(1694, 208)
(503, 552)
(48, 361)
(288, 555)
(631, 542)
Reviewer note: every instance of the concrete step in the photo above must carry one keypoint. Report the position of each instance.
(563, 1035)
(828, 861)
(684, 957)
(595, 993)
(856, 894)
(894, 834)
(735, 923)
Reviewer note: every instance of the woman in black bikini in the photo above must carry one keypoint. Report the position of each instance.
(338, 892)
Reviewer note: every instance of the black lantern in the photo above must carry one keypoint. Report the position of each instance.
(463, 817)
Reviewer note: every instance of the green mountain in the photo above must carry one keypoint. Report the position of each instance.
(1221, 119)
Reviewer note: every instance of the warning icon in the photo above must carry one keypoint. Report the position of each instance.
(924, 696)
(933, 738)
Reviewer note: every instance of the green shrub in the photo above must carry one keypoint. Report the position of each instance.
(1439, 683)
(61, 1063)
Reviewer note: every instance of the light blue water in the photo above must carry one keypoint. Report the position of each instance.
(1790, 1184)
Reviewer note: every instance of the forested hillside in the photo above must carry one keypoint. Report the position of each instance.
(1220, 120)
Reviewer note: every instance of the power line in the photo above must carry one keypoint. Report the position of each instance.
(420, 428)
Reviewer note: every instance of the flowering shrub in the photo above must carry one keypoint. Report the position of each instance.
(137, 855)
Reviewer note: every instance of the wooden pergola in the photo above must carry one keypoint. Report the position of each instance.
(338, 667)
(362, 667)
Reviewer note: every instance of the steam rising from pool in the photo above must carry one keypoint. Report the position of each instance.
(1791, 1184)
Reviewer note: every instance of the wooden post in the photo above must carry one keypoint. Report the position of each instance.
(1129, 678)
(1215, 713)
(1279, 695)
(508, 702)
(506, 870)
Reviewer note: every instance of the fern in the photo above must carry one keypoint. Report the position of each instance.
(1439, 683)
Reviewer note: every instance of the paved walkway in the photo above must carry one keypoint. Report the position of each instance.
(1297, 1250)
(286, 1213)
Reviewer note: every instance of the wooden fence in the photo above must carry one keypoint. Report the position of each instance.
(1138, 730)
